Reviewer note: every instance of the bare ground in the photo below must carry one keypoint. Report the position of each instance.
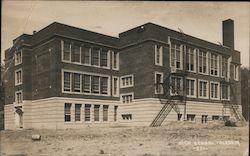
(176, 138)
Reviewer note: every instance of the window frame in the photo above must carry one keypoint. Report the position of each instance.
(17, 77)
(130, 76)
(126, 95)
(160, 54)
(218, 90)
(105, 115)
(207, 89)
(80, 112)
(16, 57)
(17, 98)
(82, 89)
(69, 114)
(113, 86)
(228, 91)
(181, 85)
(161, 81)
(188, 54)
(207, 58)
(182, 49)
(117, 60)
(87, 111)
(62, 51)
(195, 87)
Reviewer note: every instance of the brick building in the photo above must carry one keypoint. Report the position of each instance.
(66, 77)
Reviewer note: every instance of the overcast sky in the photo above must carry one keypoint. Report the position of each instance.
(199, 19)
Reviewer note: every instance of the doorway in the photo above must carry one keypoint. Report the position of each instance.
(19, 118)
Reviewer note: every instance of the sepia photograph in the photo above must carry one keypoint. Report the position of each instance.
(124, 78)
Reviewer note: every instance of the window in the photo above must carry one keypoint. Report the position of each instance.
(127, 81)
(19, 97)
(224, 68)
(176, 56)
(78, 112)
(76, 54)
(105, 112)
(215, 117)
(127, 98)
(203, 89)
(67, 79)
(66, 49)
(191, 87)
(115, 85)
(87, 112)
(77, 83)
(214, 90)
(67, 112)
(234, 71)
(18, 77)
(203, 62)
(176, 86)
(191, 59)
(104, 58)
(179, 117)
(190, 117)
(86, 83)
(214, 64)
(18, 57)
(95, 84)
(96, 112)
(127, 116)
(224, 92)
(115, 60)
(95, 56)
(158, 83)
(115, 113)
(104, 85)
(204, 119)
(86, 51)
(158, 55)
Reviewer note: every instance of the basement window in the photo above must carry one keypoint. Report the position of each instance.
(127, 116)
(87, 112)
(215, 117)
(78, 112)
(67, 112)
(105, 112)
(96, 112)
(190, 117)
(115, 113)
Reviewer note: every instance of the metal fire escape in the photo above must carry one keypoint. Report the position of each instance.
(169, 101)
(232, 104)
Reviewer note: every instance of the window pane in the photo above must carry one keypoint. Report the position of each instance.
(86, 55)
(104, 85)
(66, 52)
(104, 58)
(77, 84)
(96, 112)
(87, 112)
(76, 53)
(95, 84)
(67, 112)
(105, 112)
(86, 82)
(78, 112)
(66, 81)
(95, 56)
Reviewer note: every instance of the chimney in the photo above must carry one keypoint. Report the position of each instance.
(228, 33)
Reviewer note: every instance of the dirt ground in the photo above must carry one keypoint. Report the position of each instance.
(176, 138)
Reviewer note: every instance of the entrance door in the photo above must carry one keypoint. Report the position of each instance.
(19, 118)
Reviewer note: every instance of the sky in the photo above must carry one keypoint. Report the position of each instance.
(198, 19)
